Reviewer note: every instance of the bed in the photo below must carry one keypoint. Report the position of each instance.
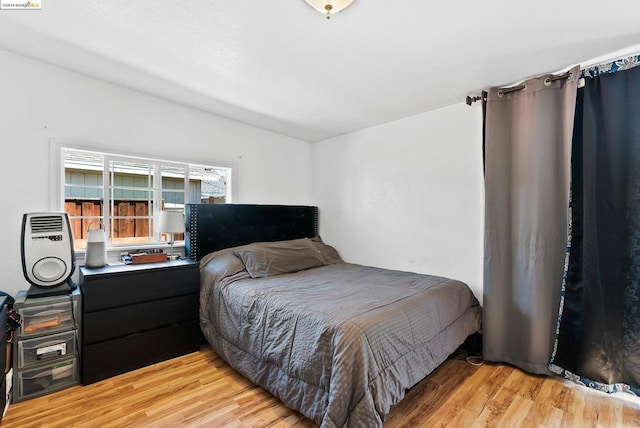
(339, 342)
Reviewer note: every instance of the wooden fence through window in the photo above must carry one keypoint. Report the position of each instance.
(123, 228)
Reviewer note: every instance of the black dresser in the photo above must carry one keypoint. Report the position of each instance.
(136, 315)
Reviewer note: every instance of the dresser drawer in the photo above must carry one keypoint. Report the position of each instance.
(46, 348)
(45, 379)
(117, 322)
(105, 359)
(118, 286)
(48, 318)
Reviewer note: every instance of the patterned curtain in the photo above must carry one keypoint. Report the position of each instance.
(598, 331)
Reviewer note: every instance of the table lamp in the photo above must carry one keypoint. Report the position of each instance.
(171, 222)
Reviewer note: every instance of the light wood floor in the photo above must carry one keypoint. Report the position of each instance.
(200, 389)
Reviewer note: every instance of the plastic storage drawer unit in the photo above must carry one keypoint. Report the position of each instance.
(49, 378)
(46, 348)
(46, 319)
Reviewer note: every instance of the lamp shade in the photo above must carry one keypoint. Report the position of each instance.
(171, 222)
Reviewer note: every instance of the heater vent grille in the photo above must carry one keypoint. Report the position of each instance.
(46, 224)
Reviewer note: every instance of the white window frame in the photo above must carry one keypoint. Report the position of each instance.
(57, 183)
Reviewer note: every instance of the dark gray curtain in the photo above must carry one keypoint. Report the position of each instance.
(598, 341)
(527, 159)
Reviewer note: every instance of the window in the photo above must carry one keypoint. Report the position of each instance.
(124, 194)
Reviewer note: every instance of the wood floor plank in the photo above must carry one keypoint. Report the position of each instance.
(478, 394)
(462, 404)
(201, 390)
(543, 415)
(573, 414)
(495, 408)
(516, 413)
(630, 414)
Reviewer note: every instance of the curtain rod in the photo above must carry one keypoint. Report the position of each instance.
(470, 100)
(618, 56)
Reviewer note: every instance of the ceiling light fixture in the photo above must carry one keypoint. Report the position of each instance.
(329, 7)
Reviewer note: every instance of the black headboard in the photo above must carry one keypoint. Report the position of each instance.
(212, 227)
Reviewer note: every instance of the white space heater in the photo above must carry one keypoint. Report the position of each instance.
(48, 259)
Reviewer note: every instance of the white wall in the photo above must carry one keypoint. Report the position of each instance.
(407, 195)
(404, 195)
(39, 102)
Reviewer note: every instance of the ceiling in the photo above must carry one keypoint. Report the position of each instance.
(281, 66)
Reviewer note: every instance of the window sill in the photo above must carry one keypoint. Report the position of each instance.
(113, 253)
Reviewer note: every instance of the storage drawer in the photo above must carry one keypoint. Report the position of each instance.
(45, 379)
(47, 348)
(46, 319)
(111, 358)
(118, 322)
(116, 286)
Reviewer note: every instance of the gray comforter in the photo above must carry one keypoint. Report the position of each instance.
(341, 343)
